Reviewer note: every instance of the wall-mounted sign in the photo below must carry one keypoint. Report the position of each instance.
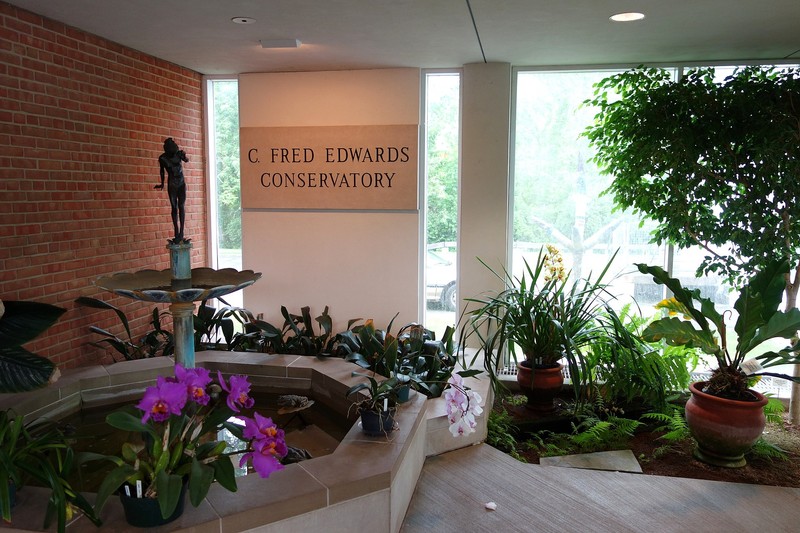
(330, 167)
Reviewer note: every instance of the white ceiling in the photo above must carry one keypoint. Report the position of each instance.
(357, 34)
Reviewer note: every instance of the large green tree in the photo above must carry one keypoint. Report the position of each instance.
(713, 163)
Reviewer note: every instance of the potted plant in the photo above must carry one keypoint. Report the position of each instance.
(713, 163)
(38, 451)
(541, 318)
(378, 405)
(21, 322)
(725, 416)
(179, 419)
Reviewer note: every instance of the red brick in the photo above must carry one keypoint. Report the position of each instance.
(82, 120)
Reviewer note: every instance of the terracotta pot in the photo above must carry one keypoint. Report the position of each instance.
(724, 429)
(541, 384)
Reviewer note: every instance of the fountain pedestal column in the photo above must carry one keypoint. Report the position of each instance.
(182, 312)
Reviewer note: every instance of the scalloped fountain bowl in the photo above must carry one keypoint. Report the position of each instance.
(157, 285)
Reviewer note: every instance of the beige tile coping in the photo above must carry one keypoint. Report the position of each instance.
(366, 484)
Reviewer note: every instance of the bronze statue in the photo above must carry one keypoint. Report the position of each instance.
(170, 162)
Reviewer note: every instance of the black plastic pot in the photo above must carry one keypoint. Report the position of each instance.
(145, 512)
(377, 423)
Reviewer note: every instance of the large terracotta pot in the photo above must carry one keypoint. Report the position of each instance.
(541, 384)
(724, 429)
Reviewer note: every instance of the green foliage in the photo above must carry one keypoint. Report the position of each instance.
(674, 428)
(38, 452)
(593, 434)
(297, 335)
(774, 410)
(156, 342)
(215, 328)
(634, 371)
(379, 392)
(546, 318)
(712, 163)
(500, 433)
(21, 322)
(764, 449)
(759, 321)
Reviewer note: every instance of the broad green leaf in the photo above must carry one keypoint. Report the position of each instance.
(200, 481)
(127, 422)
(684, 296)
(677, 332)
(783, 325)
(168, 488)
(225, 473)
(111, 482)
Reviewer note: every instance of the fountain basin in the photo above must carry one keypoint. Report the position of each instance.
(377, 474)
(157, 285)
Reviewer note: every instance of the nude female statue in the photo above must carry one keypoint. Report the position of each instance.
(170, 162)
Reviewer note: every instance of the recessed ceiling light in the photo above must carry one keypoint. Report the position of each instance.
(627, 17)
(243, 20)
(280, 43)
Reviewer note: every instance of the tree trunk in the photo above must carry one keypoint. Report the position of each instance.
(791, 303)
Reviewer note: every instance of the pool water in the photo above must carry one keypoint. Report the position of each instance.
(317, 429)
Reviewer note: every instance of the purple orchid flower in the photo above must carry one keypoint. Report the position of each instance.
(238, 391)
(165, 399)
(195, 380)
(265, 456)
(260, 428)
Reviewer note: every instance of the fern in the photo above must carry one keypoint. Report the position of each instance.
(774, 410)
(593, 434)
(500, 430)
(763, 449)
(674, 427)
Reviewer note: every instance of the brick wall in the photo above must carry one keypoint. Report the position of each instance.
(82, 123)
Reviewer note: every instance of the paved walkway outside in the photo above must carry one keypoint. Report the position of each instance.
(454, 487)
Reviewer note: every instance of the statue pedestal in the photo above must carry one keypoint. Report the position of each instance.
(182, 312)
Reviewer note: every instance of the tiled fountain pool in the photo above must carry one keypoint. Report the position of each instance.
(366, 484)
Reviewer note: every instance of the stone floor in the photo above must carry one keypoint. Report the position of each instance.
(454, 488)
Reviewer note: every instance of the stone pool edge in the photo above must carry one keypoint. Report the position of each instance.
(329, 489)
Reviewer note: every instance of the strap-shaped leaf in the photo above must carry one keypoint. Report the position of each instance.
(24, 321)
(677, 332)
(20, 370)
(100, 304)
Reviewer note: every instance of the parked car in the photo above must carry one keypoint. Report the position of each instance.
(440, 277)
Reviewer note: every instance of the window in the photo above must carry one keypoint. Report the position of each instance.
(222, 106)
(442, 96)
(557, 189)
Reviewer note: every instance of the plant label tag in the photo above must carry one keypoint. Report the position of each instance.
(751, 366)
(127, 490)
(138, 488)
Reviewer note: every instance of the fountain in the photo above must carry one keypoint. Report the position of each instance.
(180, 285)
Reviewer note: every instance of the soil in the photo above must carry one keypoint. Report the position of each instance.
(679, 462)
